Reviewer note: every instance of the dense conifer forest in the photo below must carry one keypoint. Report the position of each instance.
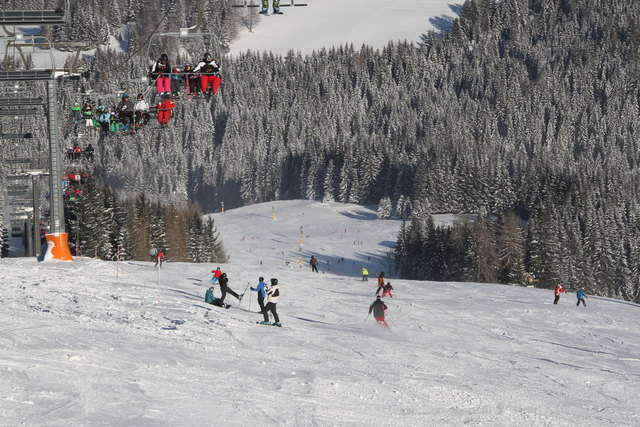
(526, 113)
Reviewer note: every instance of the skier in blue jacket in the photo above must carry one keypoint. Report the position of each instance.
(262, 293)
(581, 294)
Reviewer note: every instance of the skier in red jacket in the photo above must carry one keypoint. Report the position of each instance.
(387, 290)
(559, 290)
(164, 111)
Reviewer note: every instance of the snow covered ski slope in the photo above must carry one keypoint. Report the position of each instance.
(83, 344)
(331, 23)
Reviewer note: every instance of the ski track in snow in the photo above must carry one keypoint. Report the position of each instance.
(81, 346)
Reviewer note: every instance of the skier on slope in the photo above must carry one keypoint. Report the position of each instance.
(224, 288)
(365, 274)
(581, 295)
(387, 290)
(380, 282)
(160, 258)
(378, 307)
(216, 275)
(559, 290)
(273, 292)
(262, 293)
(209, 298)
(314, 263)
(265, 7)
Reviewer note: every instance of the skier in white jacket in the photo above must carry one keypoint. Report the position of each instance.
(272, 293)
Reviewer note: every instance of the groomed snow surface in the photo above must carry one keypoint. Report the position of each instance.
(84, 345)
(331, 23)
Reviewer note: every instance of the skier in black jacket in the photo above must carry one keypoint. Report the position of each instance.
(224, 288)
(378, 307)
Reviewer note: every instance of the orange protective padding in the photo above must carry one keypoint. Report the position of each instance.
(58, 247)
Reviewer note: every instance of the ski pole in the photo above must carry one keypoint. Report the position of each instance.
(250, 296)
(367, 318)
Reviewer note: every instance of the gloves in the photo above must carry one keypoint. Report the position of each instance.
(252, 289)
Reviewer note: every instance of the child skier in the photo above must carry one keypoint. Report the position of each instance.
(164, 110)
(273, 292)
(262, 293)
(559, 290)
(380, 282)
(581, 295)
(378, 307)
(387, 290)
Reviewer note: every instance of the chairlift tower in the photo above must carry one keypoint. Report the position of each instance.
(58, 247)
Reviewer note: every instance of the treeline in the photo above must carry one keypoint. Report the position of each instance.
(103, 225)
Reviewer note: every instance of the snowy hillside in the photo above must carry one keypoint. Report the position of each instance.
(94, 343)
(329, 23)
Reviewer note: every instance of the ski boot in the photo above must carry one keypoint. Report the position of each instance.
(278, 324)
(265, 323)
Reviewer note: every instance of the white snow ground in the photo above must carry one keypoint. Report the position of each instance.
(327, 23)
(82, 346)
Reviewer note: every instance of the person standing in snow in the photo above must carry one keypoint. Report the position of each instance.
(273, 292)
(223, 280)
(365, 274)
(581, 295)
(387, 290)
(314, 263)
(380, 282)
(262, 293)
(160, 258)
(378, 308)
(559, 290)
(209, 298)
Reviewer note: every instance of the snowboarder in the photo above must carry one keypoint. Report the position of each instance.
(160, 258)
(223, 280)
(276, 7)
(209, 298)
(262, 293)
(161, 72)
(380, 282)
(387, 290)
(314, 263)
(273, 292)
(559, 290)
(365, 274)
(164, 110)
(209, 74)
(581, 295)
(378, 307)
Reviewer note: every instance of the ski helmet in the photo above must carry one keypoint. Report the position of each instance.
(378, 297)
(261, 279)
(164, 57)
(207, 55)
(274, 281)
(125, 96)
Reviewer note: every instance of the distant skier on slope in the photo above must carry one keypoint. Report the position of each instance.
(160, 258)
(262, 293)
(380, 282)
(273, 292)
(216, 275)
(209, 298)
(581, 295)
(559, 290)
(387, 290)
(314, 263)
(378, 307)
(365, 274)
